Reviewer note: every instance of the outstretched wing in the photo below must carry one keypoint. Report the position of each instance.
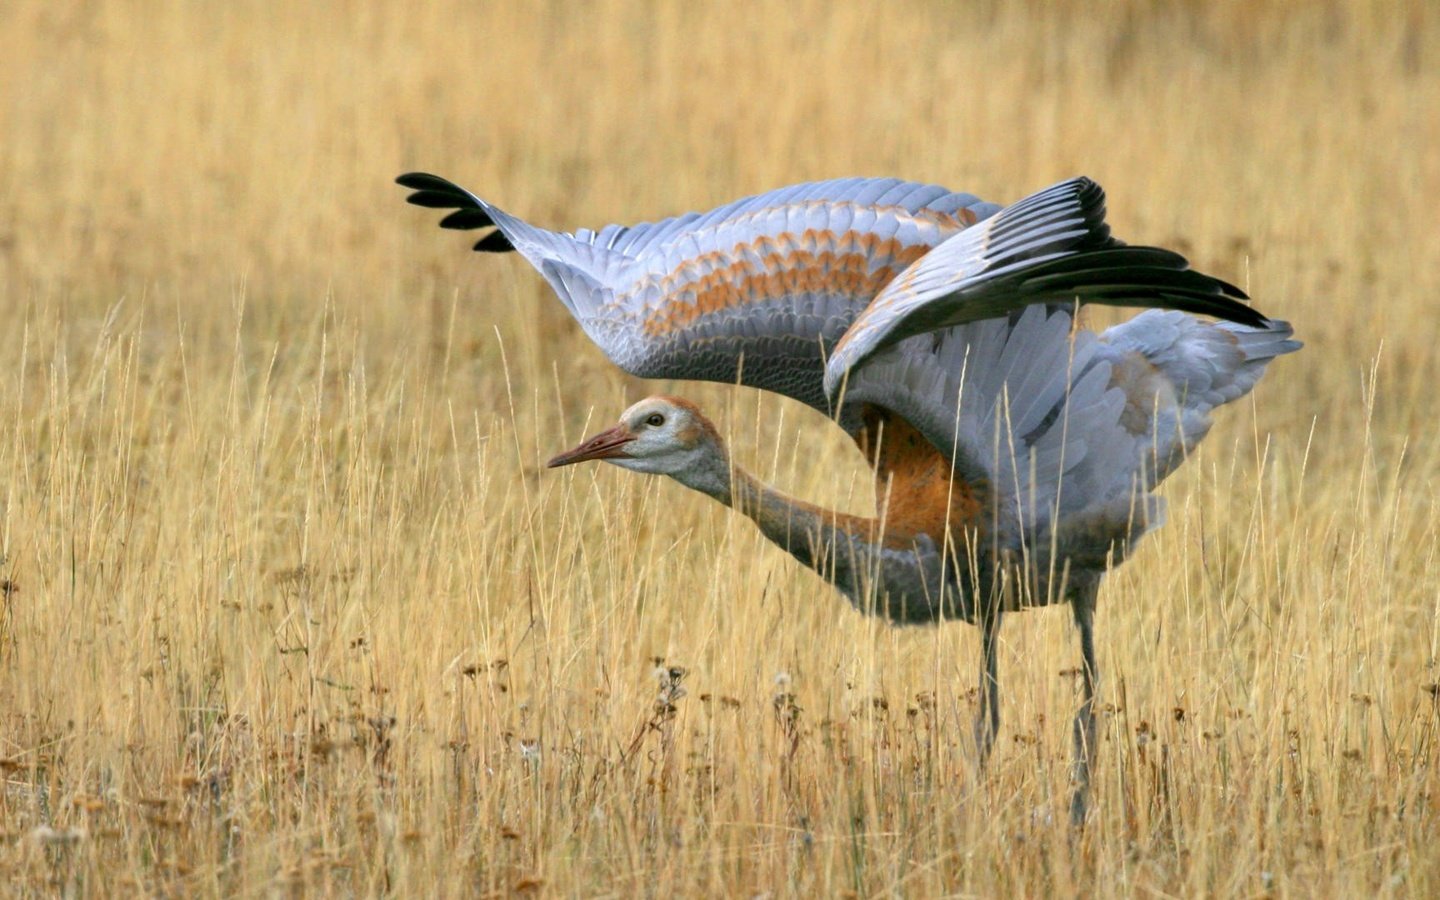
(754, 292)
(1052, 247)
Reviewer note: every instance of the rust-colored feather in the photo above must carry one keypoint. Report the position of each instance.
(914, 487)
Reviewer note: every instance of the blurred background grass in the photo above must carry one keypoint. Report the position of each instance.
(289, 603)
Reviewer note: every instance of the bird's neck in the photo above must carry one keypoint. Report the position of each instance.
(900, 578)
(803, 529)
(712, 476)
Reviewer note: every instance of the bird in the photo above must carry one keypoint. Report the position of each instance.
(1015, 450)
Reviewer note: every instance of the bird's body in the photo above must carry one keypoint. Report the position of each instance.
(1015, 452)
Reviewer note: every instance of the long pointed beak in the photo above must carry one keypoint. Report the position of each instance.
(608, 444)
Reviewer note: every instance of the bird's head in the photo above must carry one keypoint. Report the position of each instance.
(660, 436)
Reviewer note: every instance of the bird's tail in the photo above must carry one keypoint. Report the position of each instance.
(1208, 363)
(1258, 346)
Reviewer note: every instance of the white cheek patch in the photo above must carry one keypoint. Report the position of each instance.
(647, 466)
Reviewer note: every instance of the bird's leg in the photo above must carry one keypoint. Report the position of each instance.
(1084, 608)
(987, 720)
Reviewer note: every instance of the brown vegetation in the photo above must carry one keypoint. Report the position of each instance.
(289, 603)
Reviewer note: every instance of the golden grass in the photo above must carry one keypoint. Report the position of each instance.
(288, 603)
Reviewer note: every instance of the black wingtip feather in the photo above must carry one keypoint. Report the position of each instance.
(437, 200)
(1198, 301)
(1140, 276)
(424, 181)
(1133, 276)
(467, 219)
(1218, 307)
(434, 192)
(494, 242)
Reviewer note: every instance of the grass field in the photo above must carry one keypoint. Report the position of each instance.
(289, 604)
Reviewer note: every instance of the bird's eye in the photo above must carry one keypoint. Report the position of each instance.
(655, 420)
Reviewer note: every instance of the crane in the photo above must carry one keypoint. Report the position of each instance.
(1015, 451)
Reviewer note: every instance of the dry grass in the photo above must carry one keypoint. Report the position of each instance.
(288, 604)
